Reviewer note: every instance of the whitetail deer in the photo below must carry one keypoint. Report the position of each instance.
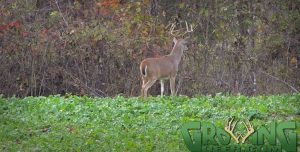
(164, 67)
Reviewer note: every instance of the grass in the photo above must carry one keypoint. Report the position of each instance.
(73, 123)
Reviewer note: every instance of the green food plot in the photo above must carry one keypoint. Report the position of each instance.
(73, 123)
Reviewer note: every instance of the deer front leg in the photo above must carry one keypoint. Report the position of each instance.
(162, 87)
(172, 85)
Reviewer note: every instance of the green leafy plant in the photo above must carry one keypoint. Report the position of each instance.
(72, 123)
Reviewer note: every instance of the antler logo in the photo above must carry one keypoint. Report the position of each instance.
(231, 126)
(204, 136)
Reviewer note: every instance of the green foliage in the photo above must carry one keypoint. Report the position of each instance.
(75, 123)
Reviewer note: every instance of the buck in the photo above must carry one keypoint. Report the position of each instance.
(165, 67)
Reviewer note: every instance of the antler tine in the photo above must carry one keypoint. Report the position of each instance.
(187, 28)
(229, 122)
(173, 25)
(234, 124)
(230, 128)
(172, 28)
(250, 130)
(246, 125)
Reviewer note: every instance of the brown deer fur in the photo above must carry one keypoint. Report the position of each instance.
(162, 68)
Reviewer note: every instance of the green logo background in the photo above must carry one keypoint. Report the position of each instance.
(202, 137)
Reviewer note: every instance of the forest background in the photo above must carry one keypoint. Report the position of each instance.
(94, 47)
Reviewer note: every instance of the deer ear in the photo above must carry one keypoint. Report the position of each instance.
(174, 40)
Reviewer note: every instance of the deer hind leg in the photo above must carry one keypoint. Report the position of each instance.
(172, 85)
(162, 87)
(143, 85)
(147, 86)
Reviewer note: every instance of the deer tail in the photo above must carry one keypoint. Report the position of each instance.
(143, 70)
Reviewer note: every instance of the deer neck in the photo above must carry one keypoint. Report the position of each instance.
(177, 52)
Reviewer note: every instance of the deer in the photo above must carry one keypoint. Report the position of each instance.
(165, 67)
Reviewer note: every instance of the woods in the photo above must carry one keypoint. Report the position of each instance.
(95, 47)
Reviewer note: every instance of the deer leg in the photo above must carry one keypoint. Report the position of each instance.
(143, 86)
(147, 86)
(162, 87)
(172, 85)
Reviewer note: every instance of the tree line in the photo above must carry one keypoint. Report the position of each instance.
(95, 47)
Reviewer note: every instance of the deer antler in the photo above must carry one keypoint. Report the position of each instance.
(230, 128)
(250, 131)
(187, 28)
(176, 33)
(173, 25)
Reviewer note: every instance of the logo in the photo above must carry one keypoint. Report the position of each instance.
(231, 126)
(206, 137)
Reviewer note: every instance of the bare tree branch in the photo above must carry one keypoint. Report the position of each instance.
(78, 82)
(61, 13)
(276, 78)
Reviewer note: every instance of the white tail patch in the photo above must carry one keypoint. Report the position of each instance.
(143, 71)
(146, 70)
